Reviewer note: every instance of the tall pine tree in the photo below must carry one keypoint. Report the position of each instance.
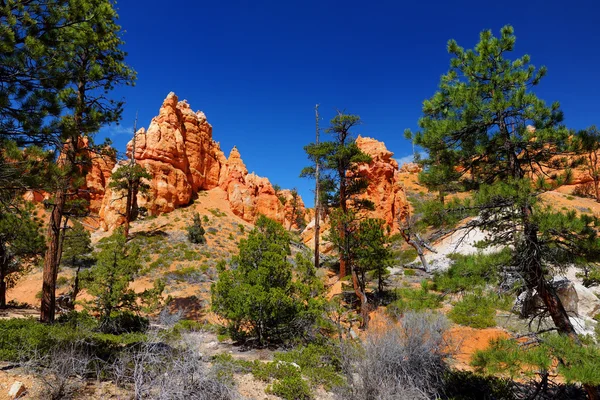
(341, 187)
(480, 116)
(94, 65)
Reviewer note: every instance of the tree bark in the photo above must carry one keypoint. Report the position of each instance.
(4, 260)
(51, 258)
(362, 297)
(408, 239)
(128, 207)
(535, 279)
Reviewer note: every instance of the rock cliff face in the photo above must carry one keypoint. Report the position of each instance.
(96, 180)
(385, 189)
(179, 152)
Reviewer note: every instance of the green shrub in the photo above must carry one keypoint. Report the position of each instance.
(21, 339)
(196, 231)
(187, 325)
(257, 296)
(291, 388)
(409, 272)
(575, 363)
(471, 271)
(125, 322)
(63, 281)
(474, 310)
(410, 299)
(216, 212)
(321, 364)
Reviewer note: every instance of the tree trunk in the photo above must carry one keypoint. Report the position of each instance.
(408, 239)
(128, 207)
(342, 255)
(342, 227)
(4, 262)
(2, 287)
(534, 277)
(51, 258)
(317, 194)
(362, 297)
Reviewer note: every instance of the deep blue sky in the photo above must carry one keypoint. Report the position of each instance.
(257, 68)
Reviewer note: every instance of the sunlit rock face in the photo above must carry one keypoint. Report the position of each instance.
(183, 158)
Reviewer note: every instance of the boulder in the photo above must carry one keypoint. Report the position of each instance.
(17, 390)
(578, 301)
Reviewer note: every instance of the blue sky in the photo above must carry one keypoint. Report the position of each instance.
(257, 68)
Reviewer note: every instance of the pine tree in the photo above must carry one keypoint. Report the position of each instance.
(196, 231)
(20, 243)
(77, 254)
(340, 188)
(373, 253)
(587, 143)
(108, 280)
(293, 211)
(256, 294)
(480, 116)
(32, 73)
(94, 63)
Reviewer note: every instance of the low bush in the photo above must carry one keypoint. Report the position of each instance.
(188, 274)
(553, 354)
(21, 339)
(291, 388)
(124, 322)
(154, 370)
(410, 299)
(216, 212)
(320, 364)
(475, 310)
(471, 271)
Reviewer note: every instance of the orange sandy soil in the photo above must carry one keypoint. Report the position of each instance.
(561, 199)
(30, 285)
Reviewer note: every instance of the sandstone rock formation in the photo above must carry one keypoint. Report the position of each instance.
(384, 188)
(179, 152)
(96, 180)
(411, 168)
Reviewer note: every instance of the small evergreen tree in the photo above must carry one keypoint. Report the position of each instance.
(256, 295)
(77, 254)
(129, 180)
(587, 143)
(108, 281)
(373, 254)
(20, 241)
(340, 188)
(294, 211)
(196, 231)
